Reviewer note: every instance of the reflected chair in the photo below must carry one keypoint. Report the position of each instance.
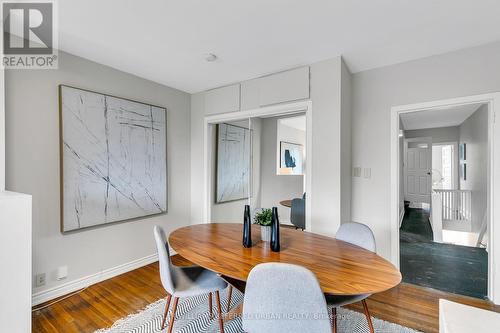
(284, 298)
(361, 235)
(298, 213)
(185, 281)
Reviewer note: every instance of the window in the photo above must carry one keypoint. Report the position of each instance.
(443, 166)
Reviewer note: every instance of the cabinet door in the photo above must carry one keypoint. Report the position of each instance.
(286, 86)
(222, 100)
(250, 94)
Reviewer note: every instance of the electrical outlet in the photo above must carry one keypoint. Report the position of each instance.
(356, 172)
(61, 273)
(40, 280)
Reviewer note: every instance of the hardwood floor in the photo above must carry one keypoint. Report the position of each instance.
(102, 304)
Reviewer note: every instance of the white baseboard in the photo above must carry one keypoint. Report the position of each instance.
(72, 286)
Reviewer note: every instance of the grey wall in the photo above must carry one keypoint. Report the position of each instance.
(474, 133)
(33, 165)
(462, 73)
(278, 187)
(438, 135)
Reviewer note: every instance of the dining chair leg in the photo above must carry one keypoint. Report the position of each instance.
(219, 310)
(334, 319)
(167, 305)
(229, 298)
(368, 317)
(172, 317)
(210, 304)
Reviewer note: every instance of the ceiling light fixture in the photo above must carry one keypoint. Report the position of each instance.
(210, 57)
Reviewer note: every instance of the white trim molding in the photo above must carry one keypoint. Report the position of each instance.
(401, 217)
(493, 204)
(269, 111)
(72, 286)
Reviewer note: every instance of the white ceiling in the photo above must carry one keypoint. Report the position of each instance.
(451, 116)
(295, 122)
(165, 40)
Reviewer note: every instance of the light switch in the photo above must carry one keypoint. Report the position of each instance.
(367, 172)
(356, 172)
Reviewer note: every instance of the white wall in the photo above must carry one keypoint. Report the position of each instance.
(401, 171)
(461, 73)
(276, 188)
(328, 136)
(474, 133)
(15, 256)
(345, 143)
(15, 246)
(33, 166)
(438, 135)
(327, 169)
(2, 130)
(197, 153)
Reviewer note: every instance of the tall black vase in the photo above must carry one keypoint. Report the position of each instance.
(275, 231)
(247, 228)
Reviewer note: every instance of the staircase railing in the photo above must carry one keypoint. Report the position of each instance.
(456, 205)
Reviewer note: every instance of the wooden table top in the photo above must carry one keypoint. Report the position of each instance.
(286, 203)
(341, 268)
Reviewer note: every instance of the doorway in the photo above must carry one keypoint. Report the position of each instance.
(417, 170)
(448, 183)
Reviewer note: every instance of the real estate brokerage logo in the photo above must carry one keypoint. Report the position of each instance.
(29, 35)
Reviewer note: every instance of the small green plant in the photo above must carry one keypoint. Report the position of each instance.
(264, 217)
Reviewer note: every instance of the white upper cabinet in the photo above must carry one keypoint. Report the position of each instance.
(276, 88)
(250, 94)
(222, 100)
(286, 86)
(281, 87)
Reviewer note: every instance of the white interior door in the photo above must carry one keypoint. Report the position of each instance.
(418, 165)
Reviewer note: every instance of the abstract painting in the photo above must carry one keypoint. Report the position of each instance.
(291, 158)
(233, 163)
(113, 159)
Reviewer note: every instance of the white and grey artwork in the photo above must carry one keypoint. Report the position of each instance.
(113, 153)
(233, 163)
(291, 158)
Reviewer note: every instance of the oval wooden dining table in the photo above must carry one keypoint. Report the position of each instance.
(341, 268)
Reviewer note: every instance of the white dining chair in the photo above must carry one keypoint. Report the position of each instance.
(361, 235)
(185, 281)
(284, 298)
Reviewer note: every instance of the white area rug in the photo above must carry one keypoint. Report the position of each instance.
(193, 317)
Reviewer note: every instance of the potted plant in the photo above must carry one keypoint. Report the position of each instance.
(264, 218)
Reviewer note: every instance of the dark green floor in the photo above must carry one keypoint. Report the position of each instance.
(452, 268)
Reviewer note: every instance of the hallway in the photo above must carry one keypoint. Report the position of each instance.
(451, 268)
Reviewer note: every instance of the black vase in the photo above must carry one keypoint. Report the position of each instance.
(247, 228)
(275, 231)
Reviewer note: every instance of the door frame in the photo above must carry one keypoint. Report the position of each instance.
(264, 112)
(426, 139)
(493, 204)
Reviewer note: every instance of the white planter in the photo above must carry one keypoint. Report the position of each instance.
(265, 233)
